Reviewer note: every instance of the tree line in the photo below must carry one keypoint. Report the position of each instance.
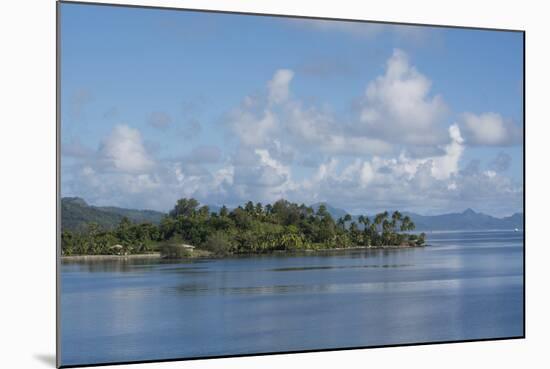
(251, 228)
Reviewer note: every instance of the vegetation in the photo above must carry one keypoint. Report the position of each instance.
(76, 214)
(249, 229)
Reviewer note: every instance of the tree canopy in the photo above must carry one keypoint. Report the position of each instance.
(252, 228)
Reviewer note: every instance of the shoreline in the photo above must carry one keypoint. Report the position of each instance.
(157, 255)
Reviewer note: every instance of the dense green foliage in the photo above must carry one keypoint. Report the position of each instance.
(95, 240)
(252, 228)
(76, 215)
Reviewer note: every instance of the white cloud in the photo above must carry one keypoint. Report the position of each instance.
(429, 185)
(364, 184)
(433, 184)
(278, 87)
(263, 178)
(398, 107)
(446, 165)
(489, 129)
(123, 149)
(253, 129)
(283, 119)
(379, 171)
(397, 153)
(320, 130)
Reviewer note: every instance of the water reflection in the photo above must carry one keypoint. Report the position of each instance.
(465, 286)
(293, 269)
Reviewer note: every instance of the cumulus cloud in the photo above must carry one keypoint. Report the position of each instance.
(397, 109)
(362, 184)
(254, 174)
(444, 166)
(123, 150)
(320, 129)
(259, 123)
(433, 184)
(397, 106)
(278, 87)
(490, 129)
(253, 129)
(398, 152)
(123, 173)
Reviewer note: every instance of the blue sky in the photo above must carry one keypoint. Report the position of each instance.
(161, 104)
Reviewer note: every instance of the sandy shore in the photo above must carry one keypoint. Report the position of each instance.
(279, 252)
(155, 255)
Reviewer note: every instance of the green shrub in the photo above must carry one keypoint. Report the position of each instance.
(172, 251)
(218, 243)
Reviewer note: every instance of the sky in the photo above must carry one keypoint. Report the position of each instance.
(158, 105)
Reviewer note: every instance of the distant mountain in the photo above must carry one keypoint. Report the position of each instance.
(76, 213)
(138, 216)
(467, 220)
(334, 212)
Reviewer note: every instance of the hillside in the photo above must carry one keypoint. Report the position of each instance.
(334, 212)
(466, 220)
(76, 213)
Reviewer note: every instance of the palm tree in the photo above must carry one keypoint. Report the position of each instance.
(366, 222)
(354, 233)
(379, 219)
(341, 223)
(367, 234)
(259, 209)
(249, 207)
(223, 211)
(407, 224)
(321, 211)
(395, 218)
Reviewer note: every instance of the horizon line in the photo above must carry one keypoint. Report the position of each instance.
(521, 212)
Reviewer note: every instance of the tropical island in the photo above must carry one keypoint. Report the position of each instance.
(192, 230)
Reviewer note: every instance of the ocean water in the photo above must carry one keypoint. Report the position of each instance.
(466, 285)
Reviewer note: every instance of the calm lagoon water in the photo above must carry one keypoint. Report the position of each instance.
(465, 286)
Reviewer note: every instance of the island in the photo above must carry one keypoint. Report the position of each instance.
(190, 230)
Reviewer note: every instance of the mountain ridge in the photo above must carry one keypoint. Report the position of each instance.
(76, 213)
